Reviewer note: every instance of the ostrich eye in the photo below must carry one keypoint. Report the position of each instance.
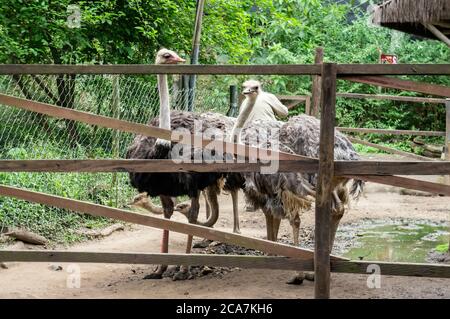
(255, 88)
(167, 55)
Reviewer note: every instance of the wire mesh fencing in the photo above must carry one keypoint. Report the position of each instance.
(28, 135)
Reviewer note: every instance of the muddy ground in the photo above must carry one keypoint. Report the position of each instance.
(44, 280)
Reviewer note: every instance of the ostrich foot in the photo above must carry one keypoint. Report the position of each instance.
(183, 274)
(236, 230)
(297, 279)
(158, 273)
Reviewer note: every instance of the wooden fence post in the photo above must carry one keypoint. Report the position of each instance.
(316, 87)
(447, 144)
(447, 130)
(324, 181)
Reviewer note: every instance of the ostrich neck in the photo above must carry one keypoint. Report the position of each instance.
(243, 116)
(164, 103)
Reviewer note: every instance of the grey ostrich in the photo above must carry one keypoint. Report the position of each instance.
(288, 195)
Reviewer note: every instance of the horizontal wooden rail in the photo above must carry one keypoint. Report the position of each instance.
(399, 84)
(414, 99)
(293, 69)
(296, 69)
(162, 223)
(393, 69)
(390, 132)
(392, 268)
(409, 183)
(242, 261)
(137, 165)
(167, 166)
(125, 126)
(293, 97)
(388, 149)
(250, 262)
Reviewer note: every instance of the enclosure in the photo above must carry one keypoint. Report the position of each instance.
(287, 257)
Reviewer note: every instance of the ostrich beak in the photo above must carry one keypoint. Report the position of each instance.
(176, 59)
(247, 91)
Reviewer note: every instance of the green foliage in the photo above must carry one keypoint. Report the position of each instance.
(442, 248)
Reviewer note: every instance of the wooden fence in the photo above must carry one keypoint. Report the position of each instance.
(288, 257)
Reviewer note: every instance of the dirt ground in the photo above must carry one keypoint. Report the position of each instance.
(41, 280)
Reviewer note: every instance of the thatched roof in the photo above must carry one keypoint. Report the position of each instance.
(409, 15)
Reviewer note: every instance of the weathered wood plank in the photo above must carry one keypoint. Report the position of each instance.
(447, 130)
(293, 97)
(296, 69)
(414, 99)
(125, 126)
(138, 165)
(390, 132)
(322, 238)
(147, 220)
(389, 149)
(166, 166)
(409, 183)
(399, 84)
(393, 69)
(391, 167)
(253, 262)
(250, 262)
(393, 269)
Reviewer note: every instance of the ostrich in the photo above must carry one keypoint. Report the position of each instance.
(287, 195)
(168, 185)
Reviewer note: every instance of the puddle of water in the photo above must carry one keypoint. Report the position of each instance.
(398, 241)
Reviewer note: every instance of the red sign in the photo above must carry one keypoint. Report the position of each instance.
(388, 59)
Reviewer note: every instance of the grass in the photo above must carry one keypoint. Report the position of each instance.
(58, 225)
(442, 248)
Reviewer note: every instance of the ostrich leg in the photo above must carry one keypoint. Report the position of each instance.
(167, 204)
(207, 206)
(298, 278)
(184, 274)
(234, 198)
(269, 224)
(276, 228)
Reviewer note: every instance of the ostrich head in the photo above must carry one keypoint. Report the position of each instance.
(165, 56)
(251, 88)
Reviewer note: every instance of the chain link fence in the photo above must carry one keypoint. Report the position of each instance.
(28, 135)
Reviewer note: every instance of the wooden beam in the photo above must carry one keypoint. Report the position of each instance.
(278, 69)
(399, 84)
(125, 126)
(138, 165)
(393, 269)
(253, 262)
(322, 237)
(300, 98)
(391, 167)
(162, 223)
(167, 166)
(393, 69)
(250, 262)
(447, 130)
(437, 33)
(390, 132)
(296, 69)
(316, 85)
(409, 183)
(415, 99)
(388, 149)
